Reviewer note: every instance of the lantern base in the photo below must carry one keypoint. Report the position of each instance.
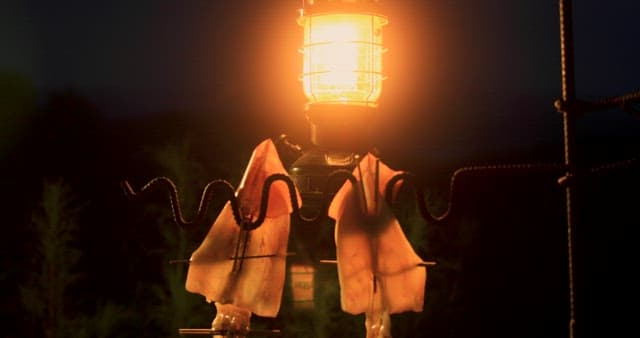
(310, 173)
(341, 127)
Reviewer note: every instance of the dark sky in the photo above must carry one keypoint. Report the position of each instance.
(466, 67)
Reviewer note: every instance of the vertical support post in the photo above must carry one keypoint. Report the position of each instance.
(568, 110)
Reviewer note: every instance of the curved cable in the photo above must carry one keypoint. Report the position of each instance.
(625, 102)
(164, 183)
(409, 178)
(337, 176)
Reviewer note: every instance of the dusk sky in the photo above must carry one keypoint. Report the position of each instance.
(470, 68)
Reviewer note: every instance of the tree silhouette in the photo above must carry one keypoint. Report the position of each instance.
(45, 296)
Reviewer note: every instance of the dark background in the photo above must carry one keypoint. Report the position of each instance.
(95, 92)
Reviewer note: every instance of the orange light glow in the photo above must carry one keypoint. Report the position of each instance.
(342, 58)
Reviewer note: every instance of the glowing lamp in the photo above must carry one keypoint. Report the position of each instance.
(342, 53)
(342, 71)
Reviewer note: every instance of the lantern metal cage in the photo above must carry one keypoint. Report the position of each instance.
(342, 58)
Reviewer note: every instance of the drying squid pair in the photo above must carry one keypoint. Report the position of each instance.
(242, 271)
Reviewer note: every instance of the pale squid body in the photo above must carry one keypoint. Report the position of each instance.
(378, 270)
(256, 286)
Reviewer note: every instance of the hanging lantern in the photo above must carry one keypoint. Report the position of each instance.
(342, 71)
(342, 52)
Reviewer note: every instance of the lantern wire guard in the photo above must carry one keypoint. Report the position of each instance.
(342, 69)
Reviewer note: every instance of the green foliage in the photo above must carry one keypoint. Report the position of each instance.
(54, 273)
(176, 308)
(45, 295)
(443, 243)
(326, 319)
(330, 320)
(110, 320)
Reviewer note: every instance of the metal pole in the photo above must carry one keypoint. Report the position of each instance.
(569, 122)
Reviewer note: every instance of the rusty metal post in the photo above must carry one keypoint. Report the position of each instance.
(567, 107)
